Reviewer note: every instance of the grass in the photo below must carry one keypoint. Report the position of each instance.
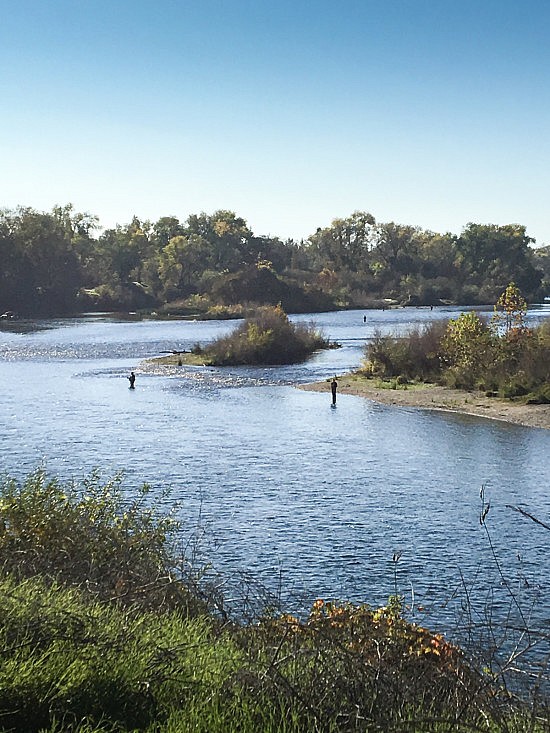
(395, 383)
(179, 359)
(102, 628)
(68, 659)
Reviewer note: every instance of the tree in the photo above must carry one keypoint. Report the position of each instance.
(510, 311)
(397, 247)
(346, 243)
(165, 229)
(231, 241)
(496, 255)
(467, 349)
(13, 277)
(40, 261)
(181, 264)
(121, 252)
(79, 228)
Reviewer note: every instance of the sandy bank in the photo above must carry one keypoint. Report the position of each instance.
(435, 397)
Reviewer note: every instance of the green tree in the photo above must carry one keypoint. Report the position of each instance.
(493, 256)
(231, 242)
(346, 243)
(40, 267)
(121, 252)
(181, 264)
(397, 247)
(80, 228)
(467, 349)
(165, 229)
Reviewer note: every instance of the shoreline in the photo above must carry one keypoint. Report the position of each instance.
(436, 397)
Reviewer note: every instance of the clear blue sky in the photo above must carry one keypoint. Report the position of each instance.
(291, 113)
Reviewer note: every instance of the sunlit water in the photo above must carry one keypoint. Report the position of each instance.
(309, 500)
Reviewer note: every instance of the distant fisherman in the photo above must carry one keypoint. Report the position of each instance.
(132, 380)
(333, 388)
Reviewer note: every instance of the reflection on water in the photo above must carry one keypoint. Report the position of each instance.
(286, 486)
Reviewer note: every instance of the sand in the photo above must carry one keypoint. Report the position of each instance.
(435, 397)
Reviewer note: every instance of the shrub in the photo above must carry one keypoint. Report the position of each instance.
(352, 668)
(414, 356)
(267, 338)
(502, 357)
(467, 350)
(540, 396)
(95, 538)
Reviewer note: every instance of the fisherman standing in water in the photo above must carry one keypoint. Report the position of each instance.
(132, 379)
(333, 388)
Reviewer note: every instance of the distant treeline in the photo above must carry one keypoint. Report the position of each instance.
(62, 262)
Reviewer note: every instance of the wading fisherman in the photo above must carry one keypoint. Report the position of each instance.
(333, 388)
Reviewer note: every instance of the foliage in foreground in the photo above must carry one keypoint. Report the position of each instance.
(502, 356)
(66, 659)
(75, 660)
(94, 537)
(68, 663)
(266, 338)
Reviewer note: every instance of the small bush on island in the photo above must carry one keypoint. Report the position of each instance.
(500, 357)
(81, 661)
(266, 338)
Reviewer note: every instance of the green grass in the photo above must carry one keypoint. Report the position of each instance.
(185, 358)
(395, 383)
(66, 658)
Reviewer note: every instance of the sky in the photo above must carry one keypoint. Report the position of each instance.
(291, 113)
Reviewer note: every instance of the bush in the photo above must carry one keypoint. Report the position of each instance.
(467, 351)
(352, 668)
(414, 356)
(540, 396)
(94, 538)
(267, 338)
(502, 357)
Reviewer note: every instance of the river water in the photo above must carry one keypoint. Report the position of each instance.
(307, 500)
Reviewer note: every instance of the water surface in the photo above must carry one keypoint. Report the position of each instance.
(312, 501)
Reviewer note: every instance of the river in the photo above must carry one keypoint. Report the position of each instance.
(306, 500)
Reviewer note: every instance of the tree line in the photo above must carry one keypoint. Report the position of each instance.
(63, 262)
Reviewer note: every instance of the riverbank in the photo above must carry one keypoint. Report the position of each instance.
(115, 631)
(436, 397)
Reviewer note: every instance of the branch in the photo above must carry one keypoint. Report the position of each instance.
(526, 514)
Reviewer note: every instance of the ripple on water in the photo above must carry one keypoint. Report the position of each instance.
(288, 489)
